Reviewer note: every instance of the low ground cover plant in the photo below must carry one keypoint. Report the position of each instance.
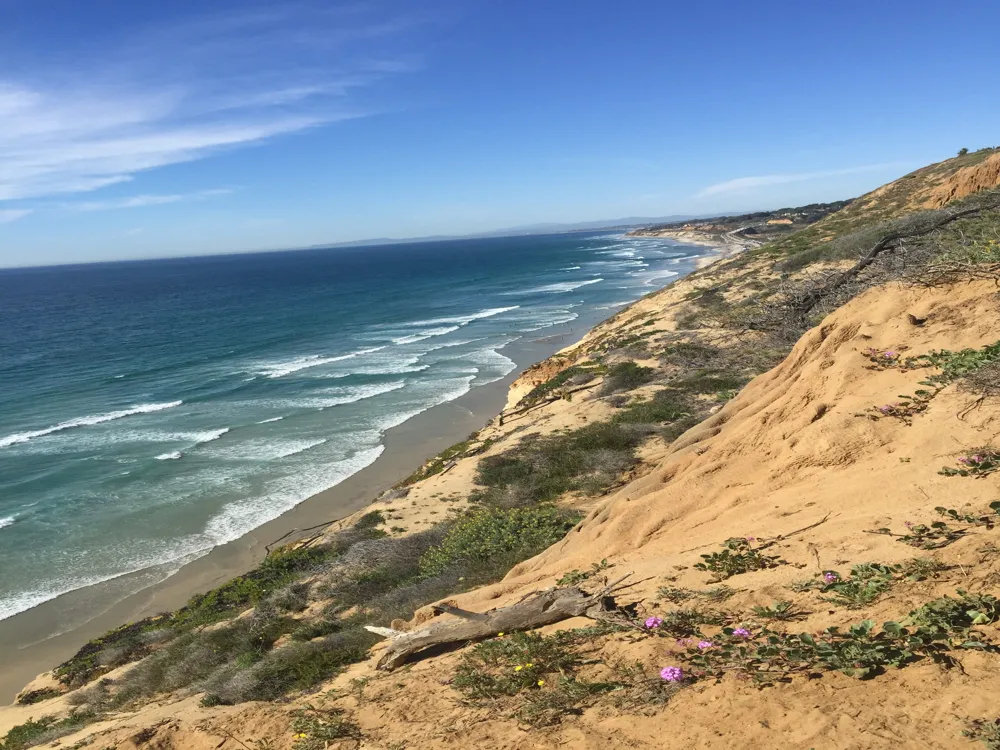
(783, 611)
(939, 534)
(866, 583)
(677, 594)
(575, 576)
(973, 369)
(738, 555)
(976, 462)
(314, 728)
(986, 731)
(532, 677)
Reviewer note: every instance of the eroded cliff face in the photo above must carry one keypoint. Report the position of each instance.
(963, 183)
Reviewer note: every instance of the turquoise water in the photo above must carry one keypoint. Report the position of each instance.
(152, 410)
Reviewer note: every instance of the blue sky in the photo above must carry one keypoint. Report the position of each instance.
(147, 129)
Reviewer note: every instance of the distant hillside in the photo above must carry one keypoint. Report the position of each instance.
(930, 187)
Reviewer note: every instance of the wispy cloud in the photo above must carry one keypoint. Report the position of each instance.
(190, 91)
(142, 201)
(13, 214)
(741, 184)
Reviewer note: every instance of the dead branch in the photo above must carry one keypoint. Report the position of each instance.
(550, 400)
(537, 610)
(458, 612)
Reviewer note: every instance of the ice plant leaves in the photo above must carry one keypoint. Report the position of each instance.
(738, 555)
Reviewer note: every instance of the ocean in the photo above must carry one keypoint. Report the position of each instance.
(152, 410)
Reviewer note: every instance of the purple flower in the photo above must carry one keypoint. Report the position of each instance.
(685, 642)
(751, 539)
(963, 460)
(977, 458)
(890, 355)
(742, 632)
(829, 576)
(672, 674)
(885, 409)
(908, 524)
(653, 622)
(702, 645)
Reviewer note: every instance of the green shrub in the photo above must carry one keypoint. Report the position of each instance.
(664, 406)
(195, 656)
(47, 729)
(372, 519)
(573, 375)
(590, 459)
(626, 376)
(37, 696)
(276, 570)
(317, 628)
(294, 666)
(116, 647)
(497, 538)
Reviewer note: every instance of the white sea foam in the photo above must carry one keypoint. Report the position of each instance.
(172, 456)
(265, 449)
(346, 395)
(649, 277)
(571, 268)
(282, 495)
(287, 367)
(8, 521)
(563, 286)
(208, 435)
(153, 571)
(463, 319)
(272, 419)
(498, 364)
(24, 437)
(429, 333)
(613, 305)
(448, 345)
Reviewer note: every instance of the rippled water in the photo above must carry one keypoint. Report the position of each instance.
(150, 411)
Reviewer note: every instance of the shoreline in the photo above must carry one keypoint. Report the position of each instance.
(44, 636)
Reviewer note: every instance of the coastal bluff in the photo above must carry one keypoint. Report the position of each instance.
(756, 508)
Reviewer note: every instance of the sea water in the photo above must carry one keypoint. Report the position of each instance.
(152, 410)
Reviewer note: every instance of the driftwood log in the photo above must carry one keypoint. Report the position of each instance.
(534, 611)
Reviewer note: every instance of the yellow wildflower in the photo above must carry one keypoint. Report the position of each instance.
(518, 668)
(500, 633)
(541, 682)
